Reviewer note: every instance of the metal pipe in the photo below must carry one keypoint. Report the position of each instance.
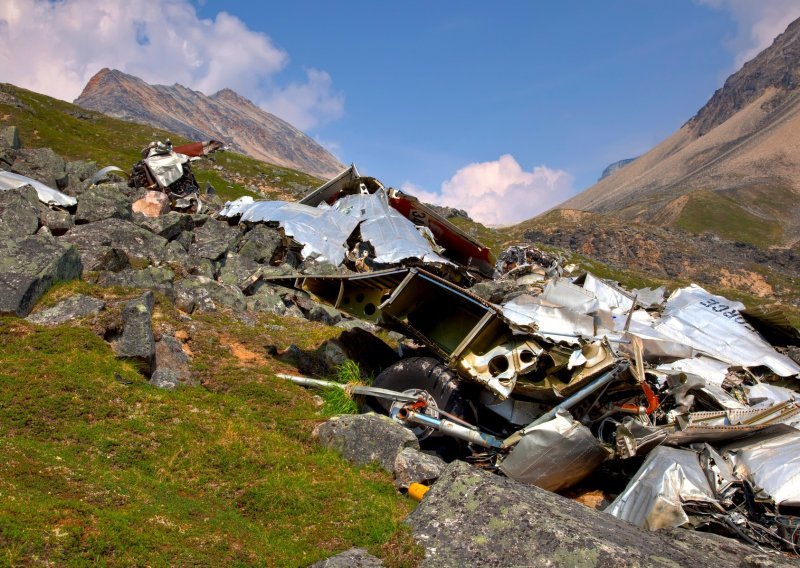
(309, 382)
(450, 429)
(600, 382)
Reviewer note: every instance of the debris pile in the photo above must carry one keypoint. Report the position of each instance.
(566, 374)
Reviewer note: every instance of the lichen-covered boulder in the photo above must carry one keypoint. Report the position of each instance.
(137, 343)
(170, 226)
(41, 164)
(237, 269)
(57, 220)
(353, 558)
(213, 240)
(414, 466)
(366, 438)
(102, 202)
(260, 244)
(74, 307)
(474, 518)
(156, 278)
(198, 293)
(140, 246)
(171, 357)
(29, 266)
(19, 212)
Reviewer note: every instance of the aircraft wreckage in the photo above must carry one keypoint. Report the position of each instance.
(569, 372)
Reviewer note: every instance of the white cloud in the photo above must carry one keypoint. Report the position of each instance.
(500, 192)
(758, 23)
(56, 47)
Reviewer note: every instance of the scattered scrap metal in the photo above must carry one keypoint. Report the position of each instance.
(166, 168)
(570, 373)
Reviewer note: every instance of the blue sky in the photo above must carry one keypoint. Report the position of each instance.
(502, 107)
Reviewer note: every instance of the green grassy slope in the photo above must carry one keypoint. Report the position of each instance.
(100, 467)
(708, 211)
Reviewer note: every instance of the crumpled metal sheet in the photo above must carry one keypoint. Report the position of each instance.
(668, 478)
(562, 292)
(609, 297)
(323, 232)
(712, 324)
(166, 168)
(772, 465)
(555, 455)
(712, 370)
(554, 322)
(46, 194)
(393, 237)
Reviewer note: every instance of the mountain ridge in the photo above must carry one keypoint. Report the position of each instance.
(225, 115)
(739, 152)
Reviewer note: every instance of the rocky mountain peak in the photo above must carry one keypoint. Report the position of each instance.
(776, 67)
(225, 116)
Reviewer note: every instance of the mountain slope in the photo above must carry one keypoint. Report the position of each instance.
(740, 153)
(224, 116)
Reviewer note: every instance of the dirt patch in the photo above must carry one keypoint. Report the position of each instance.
(746, 280)
(242, 353)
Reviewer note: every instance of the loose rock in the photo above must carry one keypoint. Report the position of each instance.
(153, 204)
(366, 438)
(414, 466)
(74, 307)
(102, 202)
(137, 342)
(353, 558)
(198, 293)
(19, 212)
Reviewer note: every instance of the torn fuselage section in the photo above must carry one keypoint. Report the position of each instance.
(376, 228)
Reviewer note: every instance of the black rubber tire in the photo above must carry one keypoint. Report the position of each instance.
(424, 373)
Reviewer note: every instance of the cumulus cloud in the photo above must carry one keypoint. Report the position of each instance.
(758, 23)
(500, 192)
(55, 48)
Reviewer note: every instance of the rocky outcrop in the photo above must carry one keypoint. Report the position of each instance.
(474, 518)
(223, 116)
(29, 266)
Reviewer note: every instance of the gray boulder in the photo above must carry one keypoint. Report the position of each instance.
(414, 466)
(237, 270)
(366, 438)
(169, 226)
(353, 558)
(324, 314)
(474, 518)
(74, 307)
(266, 299)
(42, 164)
(29, 267)
(198, 293)
(9, 137)
(176, 256)
(166, 379)
(213, 240)
(260, 244)
(170, 357)
(137, 343)
(57, 220)
(19, 212)
(102, 202)
(140, 246)
(156, 278)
